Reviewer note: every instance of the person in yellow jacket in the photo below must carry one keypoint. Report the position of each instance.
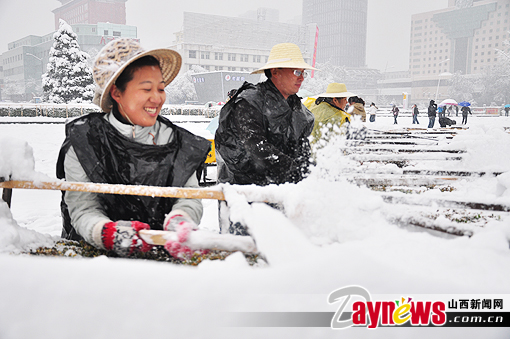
(329, 111)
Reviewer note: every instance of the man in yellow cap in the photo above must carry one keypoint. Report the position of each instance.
(262, 137)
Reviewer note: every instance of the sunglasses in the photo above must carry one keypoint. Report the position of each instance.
(298, 73)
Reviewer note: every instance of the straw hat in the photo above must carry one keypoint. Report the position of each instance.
(285, 55)
(113, 59)
(336, 90)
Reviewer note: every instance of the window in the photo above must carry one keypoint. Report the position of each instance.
(105, 32)
(218, 56)
(244, 57)
(256, 58)
(231, 57)
(192, 55)
(116, 33)
(205, 55)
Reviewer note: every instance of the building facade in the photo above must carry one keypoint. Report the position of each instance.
(342, 26)
(219, 43)
(464, 38)
(91, 12)
(25, 60)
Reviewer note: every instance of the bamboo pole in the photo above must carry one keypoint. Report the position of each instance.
(151, 191)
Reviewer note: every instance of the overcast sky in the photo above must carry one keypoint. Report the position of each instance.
(389, 21)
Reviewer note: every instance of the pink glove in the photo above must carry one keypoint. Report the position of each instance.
(183, 226)
(122, 237)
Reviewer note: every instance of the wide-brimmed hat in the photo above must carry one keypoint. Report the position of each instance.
(113, 59)
(336, 90)
(285, 55)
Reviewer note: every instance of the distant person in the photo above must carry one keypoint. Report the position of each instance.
(231, 94)
(329, 111)
(372, 111)
(395, 111)
(450, 110)
(415, 114)
(465, 111)
(432, 113)
(456, 111)
(357, 107)
(507, 109)
(440, 112)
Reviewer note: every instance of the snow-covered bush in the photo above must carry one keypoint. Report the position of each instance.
(182, 89)
(68, 78)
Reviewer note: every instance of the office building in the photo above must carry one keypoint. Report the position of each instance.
(342, 30)
(91, 12)
(464, 38)
(219, 43)
(26, 59)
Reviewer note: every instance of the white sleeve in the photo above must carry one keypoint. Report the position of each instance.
(85, 208)
(192, 207)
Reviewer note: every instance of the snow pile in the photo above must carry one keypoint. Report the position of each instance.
(335, 234)
(485, 146)
(17, 162)
(16, 239)
(503, 185)
(16, 159)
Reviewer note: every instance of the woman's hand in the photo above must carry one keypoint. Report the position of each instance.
(122, 237)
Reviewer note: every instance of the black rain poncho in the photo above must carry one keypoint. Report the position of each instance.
(262, 138)
(109, 157)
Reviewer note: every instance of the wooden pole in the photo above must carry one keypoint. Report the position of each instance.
(151, 191)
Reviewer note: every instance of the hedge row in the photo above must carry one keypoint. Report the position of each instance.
(65, 112)
(54, 112)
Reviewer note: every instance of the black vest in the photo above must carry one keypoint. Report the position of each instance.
(109, 157)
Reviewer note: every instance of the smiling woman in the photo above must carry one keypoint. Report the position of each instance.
(130, 144)
(139, 93)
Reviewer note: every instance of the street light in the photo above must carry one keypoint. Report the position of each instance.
(42, 68)
(440, 75)
(40, 59)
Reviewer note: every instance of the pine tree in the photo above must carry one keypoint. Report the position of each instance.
(68, 78)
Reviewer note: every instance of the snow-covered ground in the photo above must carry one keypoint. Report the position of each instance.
(335, 234)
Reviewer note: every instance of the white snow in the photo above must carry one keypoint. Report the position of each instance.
(335, 234)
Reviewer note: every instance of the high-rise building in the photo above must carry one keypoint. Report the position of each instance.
(464, 38)
(342, 25)
(91, 12)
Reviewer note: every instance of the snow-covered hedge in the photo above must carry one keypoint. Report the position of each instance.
(49, 111)
(64, 111)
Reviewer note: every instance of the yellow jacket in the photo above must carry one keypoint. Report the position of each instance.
(326, 116)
